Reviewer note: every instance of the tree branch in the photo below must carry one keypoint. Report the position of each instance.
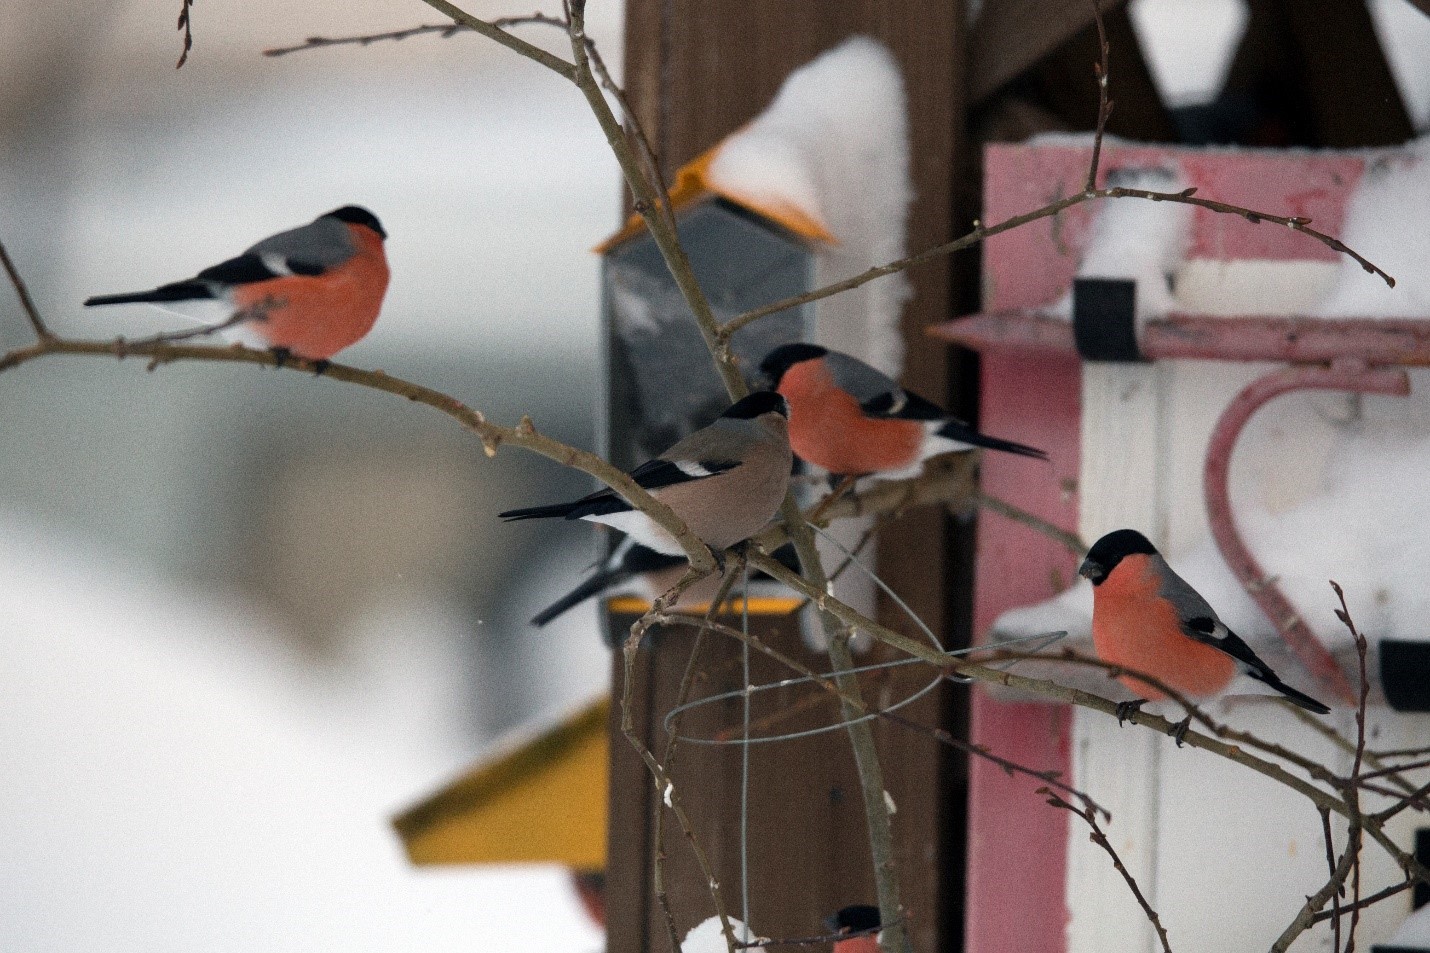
(32, 313)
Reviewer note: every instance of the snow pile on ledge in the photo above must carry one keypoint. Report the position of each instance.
(1386, 222)
(834, 144)
(708, 937)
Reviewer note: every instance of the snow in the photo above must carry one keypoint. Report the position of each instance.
(1385, 221)
(1414, 933)
(834, 144)
(709, 938)
(166, 789)
(1142, 241)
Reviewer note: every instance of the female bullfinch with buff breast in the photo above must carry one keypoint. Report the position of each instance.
(851, 420)
(725, 481)
(860, 920)
(1147, 618)
(312, 290)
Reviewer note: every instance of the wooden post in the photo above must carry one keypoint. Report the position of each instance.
(695, 72)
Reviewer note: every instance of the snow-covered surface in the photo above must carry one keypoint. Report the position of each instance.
(1414, 933)
(834, 143)
(1385, 221)
(1189, 45)
(708, 937)
(1140, 241)
(168, 788)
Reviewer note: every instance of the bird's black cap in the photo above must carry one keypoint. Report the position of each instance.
(357, 215)
(786, 356)
(1107, 552)
(760, 402)
(856, 919)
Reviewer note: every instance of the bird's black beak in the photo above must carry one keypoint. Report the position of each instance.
(1090, 570)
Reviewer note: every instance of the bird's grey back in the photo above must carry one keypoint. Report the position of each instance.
(728, 439)
(324, 242)
(1176, 590)
(858, 378)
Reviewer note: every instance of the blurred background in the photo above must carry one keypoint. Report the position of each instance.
(245, 616)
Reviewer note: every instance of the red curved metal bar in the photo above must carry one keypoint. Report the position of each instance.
(1345, 375)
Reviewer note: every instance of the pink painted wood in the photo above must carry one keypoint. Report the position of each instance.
(1017, 846)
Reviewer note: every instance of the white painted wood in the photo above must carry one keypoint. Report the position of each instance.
(1225, 856)
(1121, 486)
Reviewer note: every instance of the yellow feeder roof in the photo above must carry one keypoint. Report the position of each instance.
(693, 185)
(539, 799)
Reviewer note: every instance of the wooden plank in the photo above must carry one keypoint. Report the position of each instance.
(696, 71)
(1317, 76)
(1011, 36)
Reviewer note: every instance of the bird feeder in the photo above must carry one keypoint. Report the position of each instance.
(1141, 414)
(745, 252)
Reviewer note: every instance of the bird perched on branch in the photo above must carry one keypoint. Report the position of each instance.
(851, 420)
(656, 572)
(1147, 618)
(310, 291)
(724, 481)
(860, 920)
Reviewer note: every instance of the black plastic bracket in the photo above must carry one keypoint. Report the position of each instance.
(1104, 317)
(1405, 674)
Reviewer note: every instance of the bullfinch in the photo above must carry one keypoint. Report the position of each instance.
(851, 420)
(312, 290)
(861, 920)
(1147, 618)
(725, 481)
(656, 573)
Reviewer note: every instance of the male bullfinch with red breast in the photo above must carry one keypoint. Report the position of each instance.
(312, 290)
(1147, 618)
(859, 925)
(724, 481)
(851, 420)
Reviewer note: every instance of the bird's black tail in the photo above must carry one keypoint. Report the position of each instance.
(1300, 699)
(178, 291)
(601, 580)
(960, 431)
(538, 512)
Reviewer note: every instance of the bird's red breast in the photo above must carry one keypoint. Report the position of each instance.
(868, 943)
(316, 316)
(1133, 625)
(829, 429)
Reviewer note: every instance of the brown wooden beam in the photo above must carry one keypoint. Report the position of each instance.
(696, 71)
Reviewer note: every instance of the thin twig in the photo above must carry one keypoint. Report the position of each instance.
(1071, 541)
(444, 30)
(186, 24)
(1370, 901)
(859, 709)
(1098, 837)
(492, 435)
(512, 42)
(32, 313)
(981, 232)
(1104, 105)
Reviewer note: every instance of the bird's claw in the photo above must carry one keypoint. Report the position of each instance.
(320, 366)
(1180, 729)
(281, 356)
(1126, 710)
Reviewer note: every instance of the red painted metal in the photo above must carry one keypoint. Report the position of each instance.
(1344, 375)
